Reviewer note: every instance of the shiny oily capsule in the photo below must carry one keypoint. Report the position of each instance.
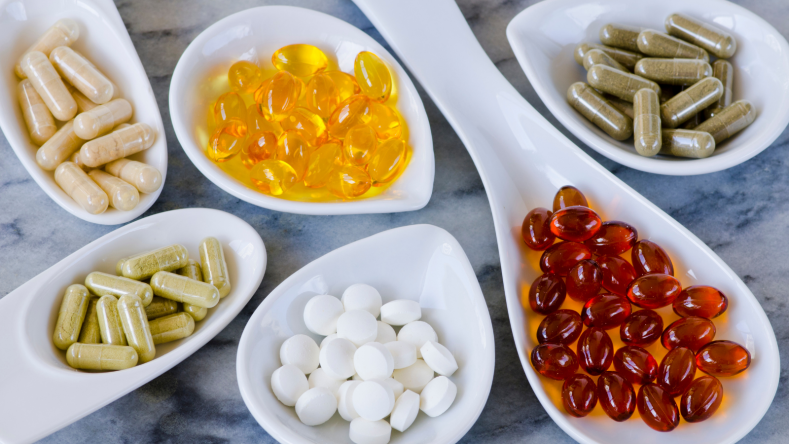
(387, 161)
(635, 364)
(373, 76)
(63, 33)
(605, 311)
(309, 124)
(244, 77)
(687, 143)
(535, 229)
(145, 178)
(617, 83)
(613, 238)
(579, 395)
(676, 371)
(39, 121)
(353, 111)
(49, 85)
(560, 258)
(345, 83)
(360, 144)
(160, 307)
(692, 332)
(715, 40)
(690, 102)
(294, 149)
(257, 122)
(171, 328)
(214, 267)
(300, 59)
(117, 144)
(77, 184)
(729, 120)
(145, 265)
(616, 396)
(569, 196)
(657, 408)
(322, 95)
(105, 357)
(646, 123)
(278, 96)
(547, 293)
(673, 71)
(575, 224)
(135, 326)
(617, 274)
(322, 163)
(223, 144)
(723, 358)
(702, 399)
(595, 351)
(82, 75)
(102, 284)
(649, 257)
(554, 361)
(620, 36)
(59, 147)
(584, 280)
(657, 44)
(122, 196)
(560, 327)
(597, 110)
(349, 181)
(102, 119)
(626, 58)
(89, 333)
(182, 289)
(654, 290)
(71, 316)
(596, 57)
(723, 71)
(701, 300)
(259, 146)
(230, 111)
(110, 325)
(273, 177)
(642, 328)
(385, 121)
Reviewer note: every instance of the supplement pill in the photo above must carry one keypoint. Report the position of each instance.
(322, 313)
(278, 95)
(601, 113)
(386, 333)
(715, 40)
(75, 158)
(121, 143)
(273, 177)
(102, 119)
(59, 147)
(536, 231)
(102, 284)
(676, 371)
(231, 111)
(692, 332)
(575, 224)
(616, 396)
(641, 328)
(690, 102)
(182, 289)
(244, 77)
(160, 307)
(288, 384)
(569, 196)
(214, 267)
(401, 312)
(171, 327)
(301, 351)
(648, 257)
(701, 300)
(345, 83)
(623, 106)
(373, 76)
(723, 358)
(109, 321)
(81, 188)
(101, 357)
(415, 377)
(387, 161)
(404, 412)
(145, 178)
(620, 84)
(584, 281)
(300, 59)
(547, 293)
(702, 399)
(613, 238)
(620, 36)
(192, 270)
(723, 71)
(579, 395)
(657, 408)
(147, 264)
(83, 103)
(372, 361)
(729, 120)
(71, 316)
(654, 290)
(417, 333)
(635, 364)
(83, 75)
(322, 95)
(605, 311)
(40, 123)
(90, 334)
(135, 326)
(122, 196)
(63, 33)
(437, 396)
(597, 57)
(617, 274)
(316, 406)
(554, 361)
(626, 58)
(673, 71)
(349, 181)
(351, 112)
(362, 297)
(49, 85)
(658, 44)
(646, 122)
(687, 143)
(595, 351)
(560, 258)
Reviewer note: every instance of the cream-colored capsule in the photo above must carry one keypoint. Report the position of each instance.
(729, 120)
(617, 83)
(671, 71)
(145, 265)
(83, 103)
(597, 57)
(122, 196)
(90, 332)
(71, 315)
(212, 258)
(101, 357)
(146, 178)
(117, 144)
(723, 71)
(657, 44)
(595, 108)
(646, 123)
(171, 328)
(106, 284)
(82, 75)
(59, 147)
(109, 321)
(197, 313)
(620, 36)
(715, 40)
(63, 33)
(40, 123)
(119, 266)
(160, 307)
(626, 58)
(49, 85)
(691, 101)
(135, 326)
(192, 271)
(182, 289)
(81, 188)
(102, 119)
(75, 158)
(687, 143)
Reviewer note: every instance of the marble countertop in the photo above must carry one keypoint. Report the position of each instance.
(741, 213)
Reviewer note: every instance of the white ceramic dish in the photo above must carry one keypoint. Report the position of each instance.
(523, 160)
(544, 35)
(40, 392)
(255, 34)
(104, 40)
(419, 262)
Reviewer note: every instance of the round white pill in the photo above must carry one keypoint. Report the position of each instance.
(319, 378)
(373, 361)
(345, 401)
(437, 396)
(401, 312)
(373, 400)
(362, 297)
(358, 326)
(439, 358)
(336, 358)
(396, 386)
(405, 410)
(403, 353)
(288, 383)
(417, 333)
(386, 333)
(316, 406)
(328, 339)
(414, 377)
(301, 351)
(321, 314)
(363, 431)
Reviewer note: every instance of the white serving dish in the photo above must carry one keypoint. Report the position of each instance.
(40, 392)
(418, 262)
(104, 40)
(544, 35)
(255, 34)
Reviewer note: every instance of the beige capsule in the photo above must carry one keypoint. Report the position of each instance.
(81, 188)
(212, 259)
(657, 44)
(83, 103)
(123, 196)
(49, 85)
(594, 107)
(75, 158)
(620, 36)
(135, 326)
(90, 332)
(626, 58)
(723, 71)
(71, 315)
(82, 75)
(59, 147)
(146, 178)
(729, 120)
(646, 123)
(117, 144)
(160, 307)
(690, 102)
(687, 143)
(617, 83)
(182, 289)
(63, 33)
(102, 119)
(597, 57)
(171, 328)
(110, 325)
(119, 265)
(715, 40)
(623, 106)
(102, 284)
(671, 71)
(40, 123)
(101, 357)
(147, 264)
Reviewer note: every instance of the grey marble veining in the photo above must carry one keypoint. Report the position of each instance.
(742, 213)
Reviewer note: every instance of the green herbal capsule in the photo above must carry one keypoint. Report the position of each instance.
(197, 313)
(658, 44)
(620, 36)
(715, 40)
(646, 123)
(693, 122)
(119, 266)
(160, 307)
(729, 120)
(110, 321)
(135, 326)
(172, 327)
(596, 57)
(617, 83)
(101, 357)
(182, 289)
(626, 58)
(623, 106)
(90, 332)
(673, 71)
(147, 264)
(192, 270)
(687, 143)
(103, 284)
(723, 71)
(690, 102)
(595, 108)
(212, 258)
(71, 315)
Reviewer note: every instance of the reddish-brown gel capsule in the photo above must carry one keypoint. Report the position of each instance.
(654, 290)
(700, 300)
(554, 361)
(617, 274)
(657, 408)
(595, 351)
(648, 257)
(677, 370)
(569, 196)
(723, 358)
(605, 311)
(560, 327)
(535, 230)
(579, 395)
(692, 332)
(702, 399)
(612, 239)
(642, 328)
(575, 224)
(584, 280)
(547, 293)
(616, 396)
(635, 364)
(563, 256)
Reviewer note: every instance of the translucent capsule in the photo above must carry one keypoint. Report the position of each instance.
(135, 326)
(605, 311)
(616, 396)
(322, 95)
(620, 36)
(617, 274)
(673, 71)
(71, 315)
(278, 96)
(257, 122)
(554, 361)
(360, 144)
(641, 328)
(214, 267)
(575, 224)
(90, 334)
(59, 147)
(300, 59)
(596, 57)
(49, 86)
(584, 280)
(223, 144)
(617, 83)
(676, 371)
(654, 290)
(351, 112)
(102, 119)
(701, 300)
(387, 161)
(635, 364)
(385, 121)
(244, 77)
(715, 40)
(81, 188)
(657, 408)
(308, 123)
(579, 395)
(145, 265)
(560, 258)
(117, 144)
(612, 239)
(273, 177)
(322, 163)
(345, 83)
(145, 178)
(595, 351)
(63, 33)
(349, 181)
(197, 313)
(624, 107)
(102, 284)
(82, 75)
(560, 327)
(569, 196)
(535, 229)
(649, 257)
(192, 270)
(373, 76)
(110, 325)
(687, 143)
(182, 289)
(723, 71)
(83, 103)
(294, 149)
(230, 111)
(626, 58)
(692, 332)
(171, 328)
(39, 121)
(547, 294)
(657, 44)
(259, 146)
(101, 357)
(702, 399)
(646, 122)
(594, 107)
(729, 120)
(122, 196)
(160, 307)
(690, 102)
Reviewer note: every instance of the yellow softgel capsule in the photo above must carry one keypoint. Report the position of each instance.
(145, 178)
(244, 77)
(224, 144)
(322, 95)
(76, 183)
(346, 84)
(135, 327)
(322, 162)
(90, 333)
(273, 177)
(353, 111)
(102, 284)
(147, 264)
(39, 121)
(385, 121)
(230, 111)
(256, 121)
(110, 325)
(63, 33)
(349, 181)
(101, 357)
(308, 123)
(373, 76)
(102, 119)
(117, 144)
(122, 195)
(160, 307)
(71, 315)
(214, 267)
(387, 161)
(171, 328)
(360, 144)
(49, 85)
(59, 147)
(182, 289)
(294, 149)
(82, 75)
(260, 146)
(278, 96)
(300, 59)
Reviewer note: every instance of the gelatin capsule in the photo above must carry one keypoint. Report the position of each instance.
(160, 307)
(687, 143)
(624, 107)
(584, 280)
(626, 58)
(322, 163)
(657, 408)
(322, 95)
(385, 121)
(620, 36)
(294, 149)
(676, 371)
(278, 96)
(135, 327)
(595, 351)
(89, 333)
(110, 325)
(547, 293)
(349, 181)
(387, 161)
(673, 71)
(569, 196)
(701, 300)
(59, 147)
(535, 230)
(102, 119)
(345, 83)
(197, 313)
(260, 146)
(223, 144)
(49, 86)
(81, 188)
(613, 238)
(122, 196)
(560, 327)
(257, 122)
(649, 257)
(617, 83)
(690, 102)
(575, 224)
(646, 123)
(83, 103)
(702, 399)
(192, 270)
(555, 361)
(617, 274)
(373, 76)
(641, 328)
(101, 357)
(63, 33)
(273, 177)
(616, 396)
(71, 315)
(597, 110)
(171, 328)
(605, 311)
(102, 284)
(39, 121)
(145, 178)
(244, 77)
(117, 144)
(635, 364)
(723, 71)
(654, 290)
(145, 265)
(214, 267)
(596, 57)
(715, 40)
(560, 258)
(657, 44)
(692, 332)
(311, 126)
(182, 289)
(353, 111)
(579, 395)
(230, 111)
(300, 59)
(82, 75)
(360, 144)
(729, 120)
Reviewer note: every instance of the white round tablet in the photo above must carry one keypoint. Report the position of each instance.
(362, 297)
(321, 314)
(358, 326)
(386, 333)
(439, 358)
(414, 377)
(403, 353)
(301, 351)
(395, 385)
(319, 378)
(336, 358)
(373, 361)
(417, 333)
(373, 400)
(316, 406)
(405, 410)
(401, 312)
(328, 339)
(437, 396)
(363, 431)
(288, 383)
(345, 401)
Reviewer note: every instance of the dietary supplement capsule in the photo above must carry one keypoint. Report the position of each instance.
(654, 290)
(171, 327)
(102, 119)
(387, 161)
(223, 144)
(63, 33)
(613, 238)
(345, 83)
(49, 86)
(145, 265)
(197, 313)
(110, 325)
(692, 332)
(182, 289)
(642, 328)
(160, 307)
(729, 120)
(322, 163)
(620, 84)
(597, 57)
(117, 144)
(535, 229)
(349, 113)
(322, 95)
(715, 40)
(385, 121)
(687, 143)
(90, 332)
(547, 293)
(595, 351)
(584, 280)
(102, 284)
(569, 196)
(606, 311)
(702, 399)
(244, 77)
(214, 267)
(39, 121)
(122, 196)
(646, 122)
(135, 326)
(701, 300)
(648, 257)
(145, 178)
(555, 361)
(673, 71)
(260, 145)
(560, 327)
(561, 257)
(723, 71)
(658, 44)
(676, 371)
(75, 158)
(626, 58)
(273, 177)
(71, 315)
(83, 103)
(575, 224)
(723, 358)
(635, 364)
(349, 181)
(616, 396)
(579, 395)
(620, 36)
(624, 107)
(101, 357)
(59, 147)
(309, 124)
(278, 96)
(360, 144)
(690, 102)
(373, 76)
(617, 274)
(192, 270)
(294, 149)
(300, 59)
(601, 113)
(82, 75)
(81, 188)
(231, 111)
(657, 408)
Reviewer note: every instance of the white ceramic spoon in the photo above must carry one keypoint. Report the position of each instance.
(420, 262)
(523, 160)
(40, 392)
(104, 40)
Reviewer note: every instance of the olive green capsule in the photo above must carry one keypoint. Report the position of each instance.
(729, 120)
(90, 334)
(617, 83)
(673, 71)
(101, 357)
(198, 313)
(135, 326)
(182, 289)
(723, 71)
(620, 36)
(626, 58)
(212, 258)
(160, 307)
(597, 57)
(71, 315)
(147, 264)
(693, 122)
(658, 44)
(687, 143)
(191, 270)
(669, 91)
(595, 108)
(693, 100)
(172, 327)
(109, 321)
(623, 106)
(715, 40)
(103, 283)
(646, 123)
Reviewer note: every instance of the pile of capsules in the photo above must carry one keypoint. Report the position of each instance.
(114, 322)
(660, 88)
(647, 282)
(336, 131)
(392, 373)
(61, 84)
